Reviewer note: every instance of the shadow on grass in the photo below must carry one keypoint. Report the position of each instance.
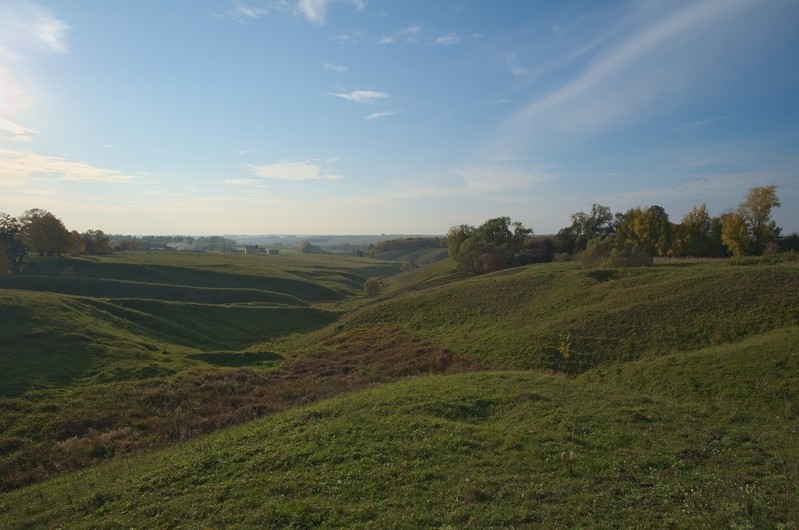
(232, 359)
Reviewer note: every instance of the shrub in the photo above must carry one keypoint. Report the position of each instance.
(372, 287)
(629, 256)
(596, 252)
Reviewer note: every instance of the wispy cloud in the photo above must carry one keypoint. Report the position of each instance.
(336, 67)
(242, 11)
(361, 96)
(513, 65)
(502, 177)
(315, 11)
(447, 40)
(377, 115)
(240, 182)
(348, 38)
(697, 125)
(294, 171)
(22, 166)
(409, 34)
(18, 132)
(633, 72)
(24, 25)
(52, 33)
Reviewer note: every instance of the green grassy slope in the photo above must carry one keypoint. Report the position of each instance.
(515, 318)
(51, 340)
(684, 412)
(78, 368)
(128, 312)
(477, 450)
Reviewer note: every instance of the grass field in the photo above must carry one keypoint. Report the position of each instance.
(280, 396)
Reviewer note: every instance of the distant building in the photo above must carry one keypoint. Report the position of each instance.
(274, 251)
(251, 249)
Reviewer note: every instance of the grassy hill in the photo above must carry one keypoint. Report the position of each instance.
(442, 403)
(516, 318)
(497, 449)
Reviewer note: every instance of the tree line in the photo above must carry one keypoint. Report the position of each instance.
(633, 238)
(40, 232)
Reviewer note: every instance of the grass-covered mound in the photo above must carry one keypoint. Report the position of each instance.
(500, 449)
(51, 340)
(518, 318)
(51, 432)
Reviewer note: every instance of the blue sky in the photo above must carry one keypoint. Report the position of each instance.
(378, 116)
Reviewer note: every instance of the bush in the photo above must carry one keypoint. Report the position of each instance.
(629, 256)
(372, 287)
(596, 252)
(601, 252)
(481, 258)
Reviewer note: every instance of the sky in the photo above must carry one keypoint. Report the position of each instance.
(392, 116)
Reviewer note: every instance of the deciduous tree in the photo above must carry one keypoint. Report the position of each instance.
(44, 233)
(586, 226)
(649, 230)
(11, 245)
(755, 210)
(456, 236)
(96, 242)
(735, 234)
(698, 235)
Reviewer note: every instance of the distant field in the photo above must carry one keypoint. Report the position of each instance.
(443, 402)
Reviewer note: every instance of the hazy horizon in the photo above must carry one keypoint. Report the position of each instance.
(367, 117)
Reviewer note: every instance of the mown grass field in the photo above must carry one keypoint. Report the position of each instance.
(444, 402)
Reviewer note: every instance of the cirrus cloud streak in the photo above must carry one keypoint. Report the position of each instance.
(294, 171)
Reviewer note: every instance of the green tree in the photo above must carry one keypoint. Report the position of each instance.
(76, 243)
(11, 244)
(491, 246)
(599, 222)
(456, 236)
(481, 257)
(44, 233)
(96, 242)
(649, 230)
(698, 234)
(755, 210)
